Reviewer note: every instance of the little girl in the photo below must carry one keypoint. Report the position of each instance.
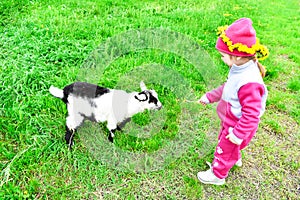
(242, 98)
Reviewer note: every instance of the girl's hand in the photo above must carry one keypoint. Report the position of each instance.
(203, 100)
(231, 139)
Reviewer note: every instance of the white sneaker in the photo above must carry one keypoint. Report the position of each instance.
(208, 177)
(239, 163)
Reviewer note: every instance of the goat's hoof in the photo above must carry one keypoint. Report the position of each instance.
(111, 139)
(70, 144)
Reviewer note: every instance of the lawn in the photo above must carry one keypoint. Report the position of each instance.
(116, 44)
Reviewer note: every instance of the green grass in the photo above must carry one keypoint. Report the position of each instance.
(45, 43)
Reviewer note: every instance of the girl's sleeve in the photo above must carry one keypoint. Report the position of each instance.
(250, 97)
(215, 95)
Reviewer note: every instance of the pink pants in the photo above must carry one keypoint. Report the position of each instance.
(227, 153)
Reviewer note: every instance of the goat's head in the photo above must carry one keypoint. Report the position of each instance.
(149, 98)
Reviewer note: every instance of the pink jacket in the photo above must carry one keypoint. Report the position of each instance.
(242, 100)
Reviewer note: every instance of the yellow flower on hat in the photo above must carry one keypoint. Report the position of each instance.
(260, 50)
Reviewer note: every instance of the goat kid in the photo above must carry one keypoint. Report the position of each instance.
(99, 104)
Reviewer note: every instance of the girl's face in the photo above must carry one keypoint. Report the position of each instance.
(227, 59)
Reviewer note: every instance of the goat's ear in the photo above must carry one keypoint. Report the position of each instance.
(143, 86)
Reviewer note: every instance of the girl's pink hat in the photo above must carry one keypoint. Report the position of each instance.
(240, 31)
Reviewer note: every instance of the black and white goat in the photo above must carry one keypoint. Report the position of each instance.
(99, 104)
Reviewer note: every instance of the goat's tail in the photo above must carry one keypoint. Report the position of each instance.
(56, 92)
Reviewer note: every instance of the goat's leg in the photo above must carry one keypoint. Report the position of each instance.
(73, 122)
(123, 123)
(111, 135)
(112, 127)
(69, 136)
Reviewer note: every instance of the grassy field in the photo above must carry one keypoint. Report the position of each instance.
(44, 43)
